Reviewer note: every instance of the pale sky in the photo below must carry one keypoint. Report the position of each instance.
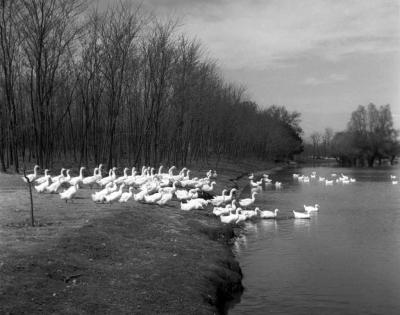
(322, 58)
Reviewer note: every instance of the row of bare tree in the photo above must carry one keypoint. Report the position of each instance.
(120, 85)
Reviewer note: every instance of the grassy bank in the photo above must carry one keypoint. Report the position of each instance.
(86, 258)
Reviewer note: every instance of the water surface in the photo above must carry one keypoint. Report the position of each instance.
(345, 260)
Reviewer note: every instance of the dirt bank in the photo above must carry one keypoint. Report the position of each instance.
(85, 258)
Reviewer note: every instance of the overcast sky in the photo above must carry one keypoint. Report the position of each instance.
(322, 58)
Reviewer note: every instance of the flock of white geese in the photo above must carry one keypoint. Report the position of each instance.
(160, 188)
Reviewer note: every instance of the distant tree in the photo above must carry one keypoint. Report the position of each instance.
(371, 134)
(316, 140)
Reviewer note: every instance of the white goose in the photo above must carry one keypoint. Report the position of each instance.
(67, 178)
(328, 182)
(44, 178)
(56, 178)
(42, 187)
(126, 195)
(255, 184)
(395, 182)
(392, 176)
(111, 177)
(188, 206)
(208, 187)
(231, 217)
(122, 178)
(99, 196)
(152, 198)
(77, 179)
(182, 194)
(311, 208)
(54, 186)
(166, 196)
(278, 185)
(219, 199)
(90, 180)
(32, 177)
(69, 193)
(114, 195)
(248, 201)
(241, 217)
(301, 215)
(140, 195)
(267, 214)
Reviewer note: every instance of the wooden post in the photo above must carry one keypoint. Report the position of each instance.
(30, 193)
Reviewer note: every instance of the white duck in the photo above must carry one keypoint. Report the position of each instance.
(182, 194)
(44, 178)
(77, 179)
(69, 193)
(32, 177)
(311, 208)
(267, 214)
(114, 195)
(190, 205)
(248, 201)
(42, 187)
(301, 215)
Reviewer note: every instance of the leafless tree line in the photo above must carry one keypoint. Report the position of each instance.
(120, 85)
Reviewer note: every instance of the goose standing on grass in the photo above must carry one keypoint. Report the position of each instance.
(248, 201)
(126, 195)
(301, 215)
(54, 186)
(42, 187)
(32, 177)
(56, 178)
(166, 196)
(69, 193)
(140, 195)
(67, 178)
(78, 179)
(311, 208)
(219, 200)
(122, 178)
(208, 188)
(110, 178)
(328, 182)
(90, 180)
(114, 195)
(99, 196)
(44, 178)
(267, 214)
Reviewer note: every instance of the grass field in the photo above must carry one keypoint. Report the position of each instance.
(87, 258)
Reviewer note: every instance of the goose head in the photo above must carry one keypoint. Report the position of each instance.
(276, 211)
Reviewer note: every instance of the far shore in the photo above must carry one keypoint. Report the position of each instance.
(87, 258)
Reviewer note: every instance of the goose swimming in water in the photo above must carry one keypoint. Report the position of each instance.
(267, 214)
(311, 208)
(301, 215)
